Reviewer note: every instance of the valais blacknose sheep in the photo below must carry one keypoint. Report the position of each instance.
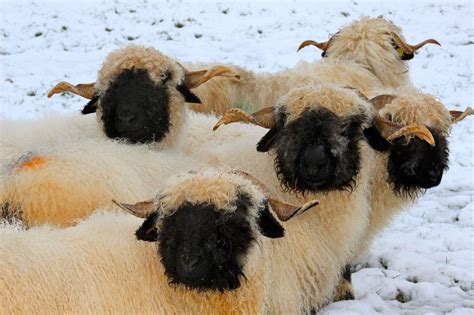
(140, 94)
(373, 49)
(67, 182)
(410, 133)
(368, 54)
(212, 228)
(317, 151)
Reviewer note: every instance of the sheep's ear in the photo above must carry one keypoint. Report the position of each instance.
(147, 231)
(268, 225)
(189, 96)
(267, 140)
(91, 107)
(376, 140)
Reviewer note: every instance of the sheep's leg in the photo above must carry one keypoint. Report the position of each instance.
(344, 290)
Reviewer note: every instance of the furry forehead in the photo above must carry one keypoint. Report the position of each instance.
(373, 29)
(217, 187)
(342, 101)
(138, 57)
(411, 106)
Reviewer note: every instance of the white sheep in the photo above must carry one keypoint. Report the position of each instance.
(367, 54)
(66, 182)
(98, 266)
(140, 94)
(326, 237)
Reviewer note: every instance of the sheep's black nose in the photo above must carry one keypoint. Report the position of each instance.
(192, 268)
(189, 262)
(432, 174)
(316, 164)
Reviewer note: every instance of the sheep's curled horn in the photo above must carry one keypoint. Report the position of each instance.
(391, 130)
(406, 48)
(283, 210)
(263, 117)
(410, 49)
(192, 80)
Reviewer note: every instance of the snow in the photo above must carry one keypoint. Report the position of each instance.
(424, 262)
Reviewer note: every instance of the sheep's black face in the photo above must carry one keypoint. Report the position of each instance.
(417, 165)
(316, 152)
(203, 248)
(136, 108)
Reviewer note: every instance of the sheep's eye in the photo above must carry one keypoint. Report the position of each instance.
(166, 77)
(388, 116)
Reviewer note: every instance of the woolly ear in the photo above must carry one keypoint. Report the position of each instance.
(268, 225)
(267, 140)
(147, 231)
(189, 96)
(376, 140)
(91, 107)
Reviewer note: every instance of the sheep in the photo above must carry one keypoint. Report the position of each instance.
(61, 177)
(20, 136)
(66, 182)
(367, 54)
(346, 208)
(311, 128)
(412, 114)
(139, 94)
(375, 46)
(98, 266)
(405, 166)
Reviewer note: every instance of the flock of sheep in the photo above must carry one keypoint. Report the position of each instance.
(261, 217)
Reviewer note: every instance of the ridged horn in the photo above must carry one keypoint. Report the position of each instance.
(85, 90)
(263, 117)
(457, 116)
(140, 209)
(283, 210)
(193, 79)
(410, 49)
(415, 129)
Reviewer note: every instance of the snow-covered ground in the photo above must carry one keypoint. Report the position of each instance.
(424, 262)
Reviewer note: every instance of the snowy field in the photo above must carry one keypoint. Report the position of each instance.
(424, 262)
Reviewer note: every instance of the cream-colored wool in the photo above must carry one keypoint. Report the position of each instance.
(409, 106)
(67, 182)
(307, 263)
(21, 136)
(361, 55)
(254, 91)
(158, 66)
(98, 266)
(211, 186)
(368, 44)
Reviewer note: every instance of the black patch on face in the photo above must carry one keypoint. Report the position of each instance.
(417, 165)
(403, 56)
(268, 225)
(376, 140)
(318, 151)
(189, 96)
(407, 56)
(148, 231)
(135, 108)
(91, 107)
(202, 248)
